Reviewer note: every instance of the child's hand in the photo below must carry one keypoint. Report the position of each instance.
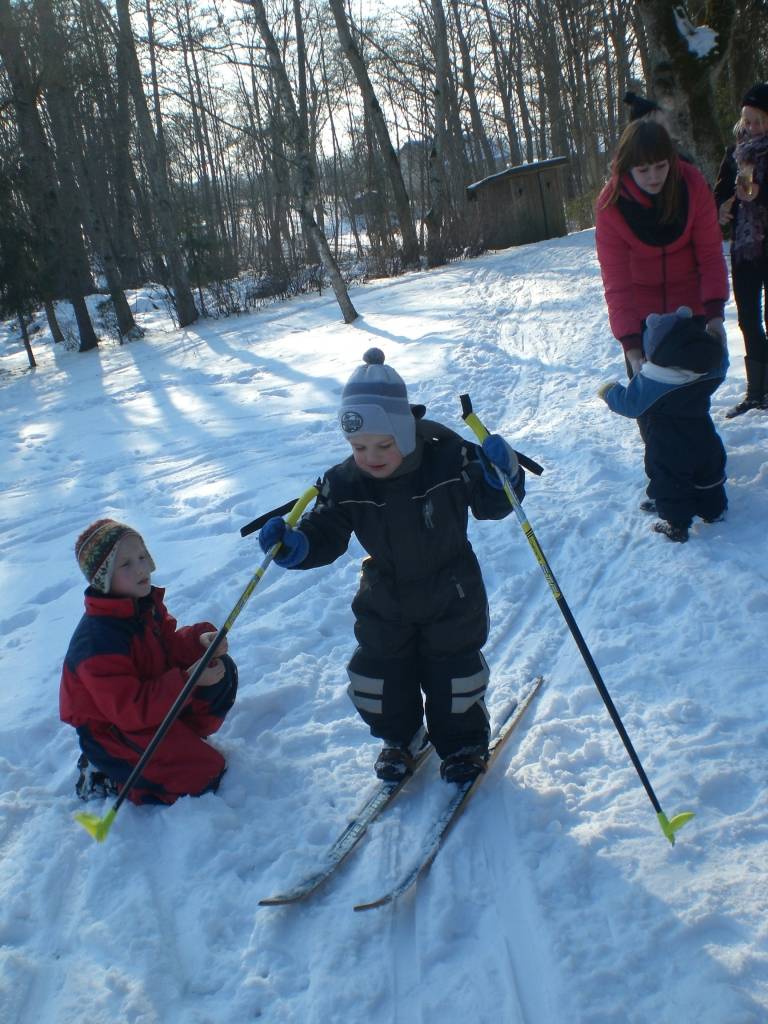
(634, 357)
(294, 546)
(725, 213)
(603, 390)
(206, 639)
(212, 674)
(498, 453)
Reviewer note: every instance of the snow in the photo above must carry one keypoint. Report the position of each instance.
(701, 40)
(556, 899)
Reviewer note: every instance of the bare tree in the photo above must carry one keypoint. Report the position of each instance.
(386, 149)
(184, 302)
(299, 144)
(684, 70)
(53, 213)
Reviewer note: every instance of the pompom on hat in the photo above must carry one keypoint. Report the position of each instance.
(639, 106)
(757, 97)
(96, 551)
(375, 401)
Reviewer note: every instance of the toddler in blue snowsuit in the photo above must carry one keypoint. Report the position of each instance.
(670, 396)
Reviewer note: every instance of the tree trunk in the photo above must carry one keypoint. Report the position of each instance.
(304, 161)
(184, 302)
(502, 88)
(53, 324)
(27, 345)
(684, 84)
(52, 214)
(485, 161)
(389, 156)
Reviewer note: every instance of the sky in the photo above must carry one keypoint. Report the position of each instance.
(556, 899)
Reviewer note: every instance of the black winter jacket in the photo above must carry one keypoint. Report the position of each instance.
(414, 524)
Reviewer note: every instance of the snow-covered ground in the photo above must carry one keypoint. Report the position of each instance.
(556, 900)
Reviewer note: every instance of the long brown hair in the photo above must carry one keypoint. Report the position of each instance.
(647, 142)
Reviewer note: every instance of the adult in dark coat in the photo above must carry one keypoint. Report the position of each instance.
(741, 194)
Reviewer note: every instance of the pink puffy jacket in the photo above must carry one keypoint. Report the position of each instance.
(640, 279)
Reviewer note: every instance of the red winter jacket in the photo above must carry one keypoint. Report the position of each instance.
(126, 663)
(640, 279)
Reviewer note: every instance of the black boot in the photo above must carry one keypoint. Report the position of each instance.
(396, 760)
(465, 764)
(755, 396)
(679, 534)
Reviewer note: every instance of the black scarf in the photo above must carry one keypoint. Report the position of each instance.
(645, 221)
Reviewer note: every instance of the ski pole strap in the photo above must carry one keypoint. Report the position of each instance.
(481, 433)
(258, 522)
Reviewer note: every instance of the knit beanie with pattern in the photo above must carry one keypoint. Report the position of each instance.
(96, 550)
(375, 401)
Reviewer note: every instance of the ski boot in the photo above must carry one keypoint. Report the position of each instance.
(465, 764)
(396, 760)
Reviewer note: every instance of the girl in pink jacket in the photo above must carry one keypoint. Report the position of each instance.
(658, 239)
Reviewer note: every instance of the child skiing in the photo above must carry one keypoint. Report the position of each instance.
(126, 664)
(670, 395)
(421, 613)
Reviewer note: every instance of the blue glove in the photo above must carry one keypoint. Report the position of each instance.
(294, 546)
(498, 453)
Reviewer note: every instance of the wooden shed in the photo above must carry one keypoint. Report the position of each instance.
(520, 204)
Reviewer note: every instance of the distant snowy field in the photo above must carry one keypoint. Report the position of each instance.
(556, 900)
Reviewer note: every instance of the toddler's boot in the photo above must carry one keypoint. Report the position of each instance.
(679, 534)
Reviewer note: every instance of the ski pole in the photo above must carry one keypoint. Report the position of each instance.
(99, 827)
(668, 827)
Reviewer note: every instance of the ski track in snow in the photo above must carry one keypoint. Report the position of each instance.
(555, 900)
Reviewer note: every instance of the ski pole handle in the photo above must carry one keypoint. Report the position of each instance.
(258, 522)
(481, 433)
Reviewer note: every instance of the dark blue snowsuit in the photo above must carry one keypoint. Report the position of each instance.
(684, 456)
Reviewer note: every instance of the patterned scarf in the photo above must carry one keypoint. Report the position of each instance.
(751, 229)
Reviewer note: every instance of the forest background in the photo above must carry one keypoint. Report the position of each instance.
(234, 151)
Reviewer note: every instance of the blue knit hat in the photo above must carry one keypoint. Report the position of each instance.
(375, 401)
(680, 339)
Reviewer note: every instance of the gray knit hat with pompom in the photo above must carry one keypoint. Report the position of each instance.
(375, 401)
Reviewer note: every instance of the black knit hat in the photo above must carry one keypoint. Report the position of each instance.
(639, 106)
(757, 97)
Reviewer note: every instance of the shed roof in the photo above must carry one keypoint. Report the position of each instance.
(509, 172)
